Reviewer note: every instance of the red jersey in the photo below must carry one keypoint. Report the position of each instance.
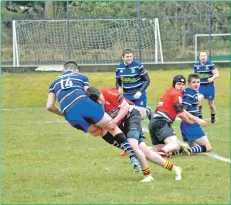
(170, 98)
(113, 101)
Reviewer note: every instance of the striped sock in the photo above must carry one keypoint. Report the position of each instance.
(176, 152)
(213, 119)
(125, 146)
(197, 149)
(200, 112)
(168, 165)
(146, 171)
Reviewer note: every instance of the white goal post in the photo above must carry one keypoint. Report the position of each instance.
(87, 41)
(206, 35)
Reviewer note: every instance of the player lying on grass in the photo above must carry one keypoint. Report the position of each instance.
(164, 139)
(78, 109)
(129, 120)
(193, 133)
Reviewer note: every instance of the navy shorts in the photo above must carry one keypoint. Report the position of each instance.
(85, 113)
(141, 102)
(191, 132)
(208, 91)
(160, 129)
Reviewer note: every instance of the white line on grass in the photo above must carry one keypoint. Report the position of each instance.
(212, 154)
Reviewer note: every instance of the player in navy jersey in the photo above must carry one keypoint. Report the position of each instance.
(132, 79)
(78, 109)
(208, 73)
(193, 133)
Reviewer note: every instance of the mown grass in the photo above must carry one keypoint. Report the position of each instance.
(45, 161)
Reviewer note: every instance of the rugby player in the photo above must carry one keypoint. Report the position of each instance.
(129, 120)
(193, 133)
(208, 73)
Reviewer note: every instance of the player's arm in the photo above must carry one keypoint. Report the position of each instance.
(215, 75)
(119, 85)
(124, 109)
(51, 104)
(201, 122)
(146, 81)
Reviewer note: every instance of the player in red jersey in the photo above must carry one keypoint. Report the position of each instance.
(128, 118)
(163, 136)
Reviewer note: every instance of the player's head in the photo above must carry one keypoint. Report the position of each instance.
(70, 66)
(127, 56)
(203, 57)
(194, 81)
(95, 95)
(179, 82)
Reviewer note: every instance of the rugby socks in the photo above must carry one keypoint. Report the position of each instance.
(200, 111)
(110, 139)
(124, 144)
(197, 149)
(176, 152)
(146, 171)
(213, 119)
(168, 165)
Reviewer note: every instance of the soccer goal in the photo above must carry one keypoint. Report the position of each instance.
(87, 41)
(220, 46)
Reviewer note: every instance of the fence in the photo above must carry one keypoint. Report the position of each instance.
(179, 23)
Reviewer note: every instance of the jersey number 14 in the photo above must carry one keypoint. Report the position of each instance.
(67, 83)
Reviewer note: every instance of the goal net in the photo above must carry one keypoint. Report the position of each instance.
(219, 43)
(87, 41)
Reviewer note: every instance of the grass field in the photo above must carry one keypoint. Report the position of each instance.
(45, 161)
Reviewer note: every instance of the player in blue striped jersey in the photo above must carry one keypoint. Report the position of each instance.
(193, 133)
(208, 73)
(132, 79)
(78, 109)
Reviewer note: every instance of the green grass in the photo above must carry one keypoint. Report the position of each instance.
(45, 161)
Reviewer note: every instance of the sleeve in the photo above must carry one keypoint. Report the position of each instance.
(187, 100)
(177, 103)
(118, 80)
(114, 97)
(52, 88)
(213, 67)
(85, 80)
(142, 70)
(146, 81)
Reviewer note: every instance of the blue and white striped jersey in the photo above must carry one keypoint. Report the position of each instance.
(205, 71)
(130, 76)
(69, 89)
(190, 101)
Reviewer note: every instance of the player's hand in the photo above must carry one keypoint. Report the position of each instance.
(201, 122)
(137, 95)
(210, 80)
(111, 125)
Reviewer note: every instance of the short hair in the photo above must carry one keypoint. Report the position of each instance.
(93, 93)
(126, 51)
(203, 51)
(70, 65)
(193, 75)
(178, 78)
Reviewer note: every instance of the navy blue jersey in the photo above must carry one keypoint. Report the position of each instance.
(205, 71)
(190, 101)
(69, 89)
(130, 76)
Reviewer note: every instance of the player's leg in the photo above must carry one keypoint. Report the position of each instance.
(157, 159)
(203, 145)
(145, 112)
(195, 136)
(200, 99)
(133, 130)
(212, 110)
